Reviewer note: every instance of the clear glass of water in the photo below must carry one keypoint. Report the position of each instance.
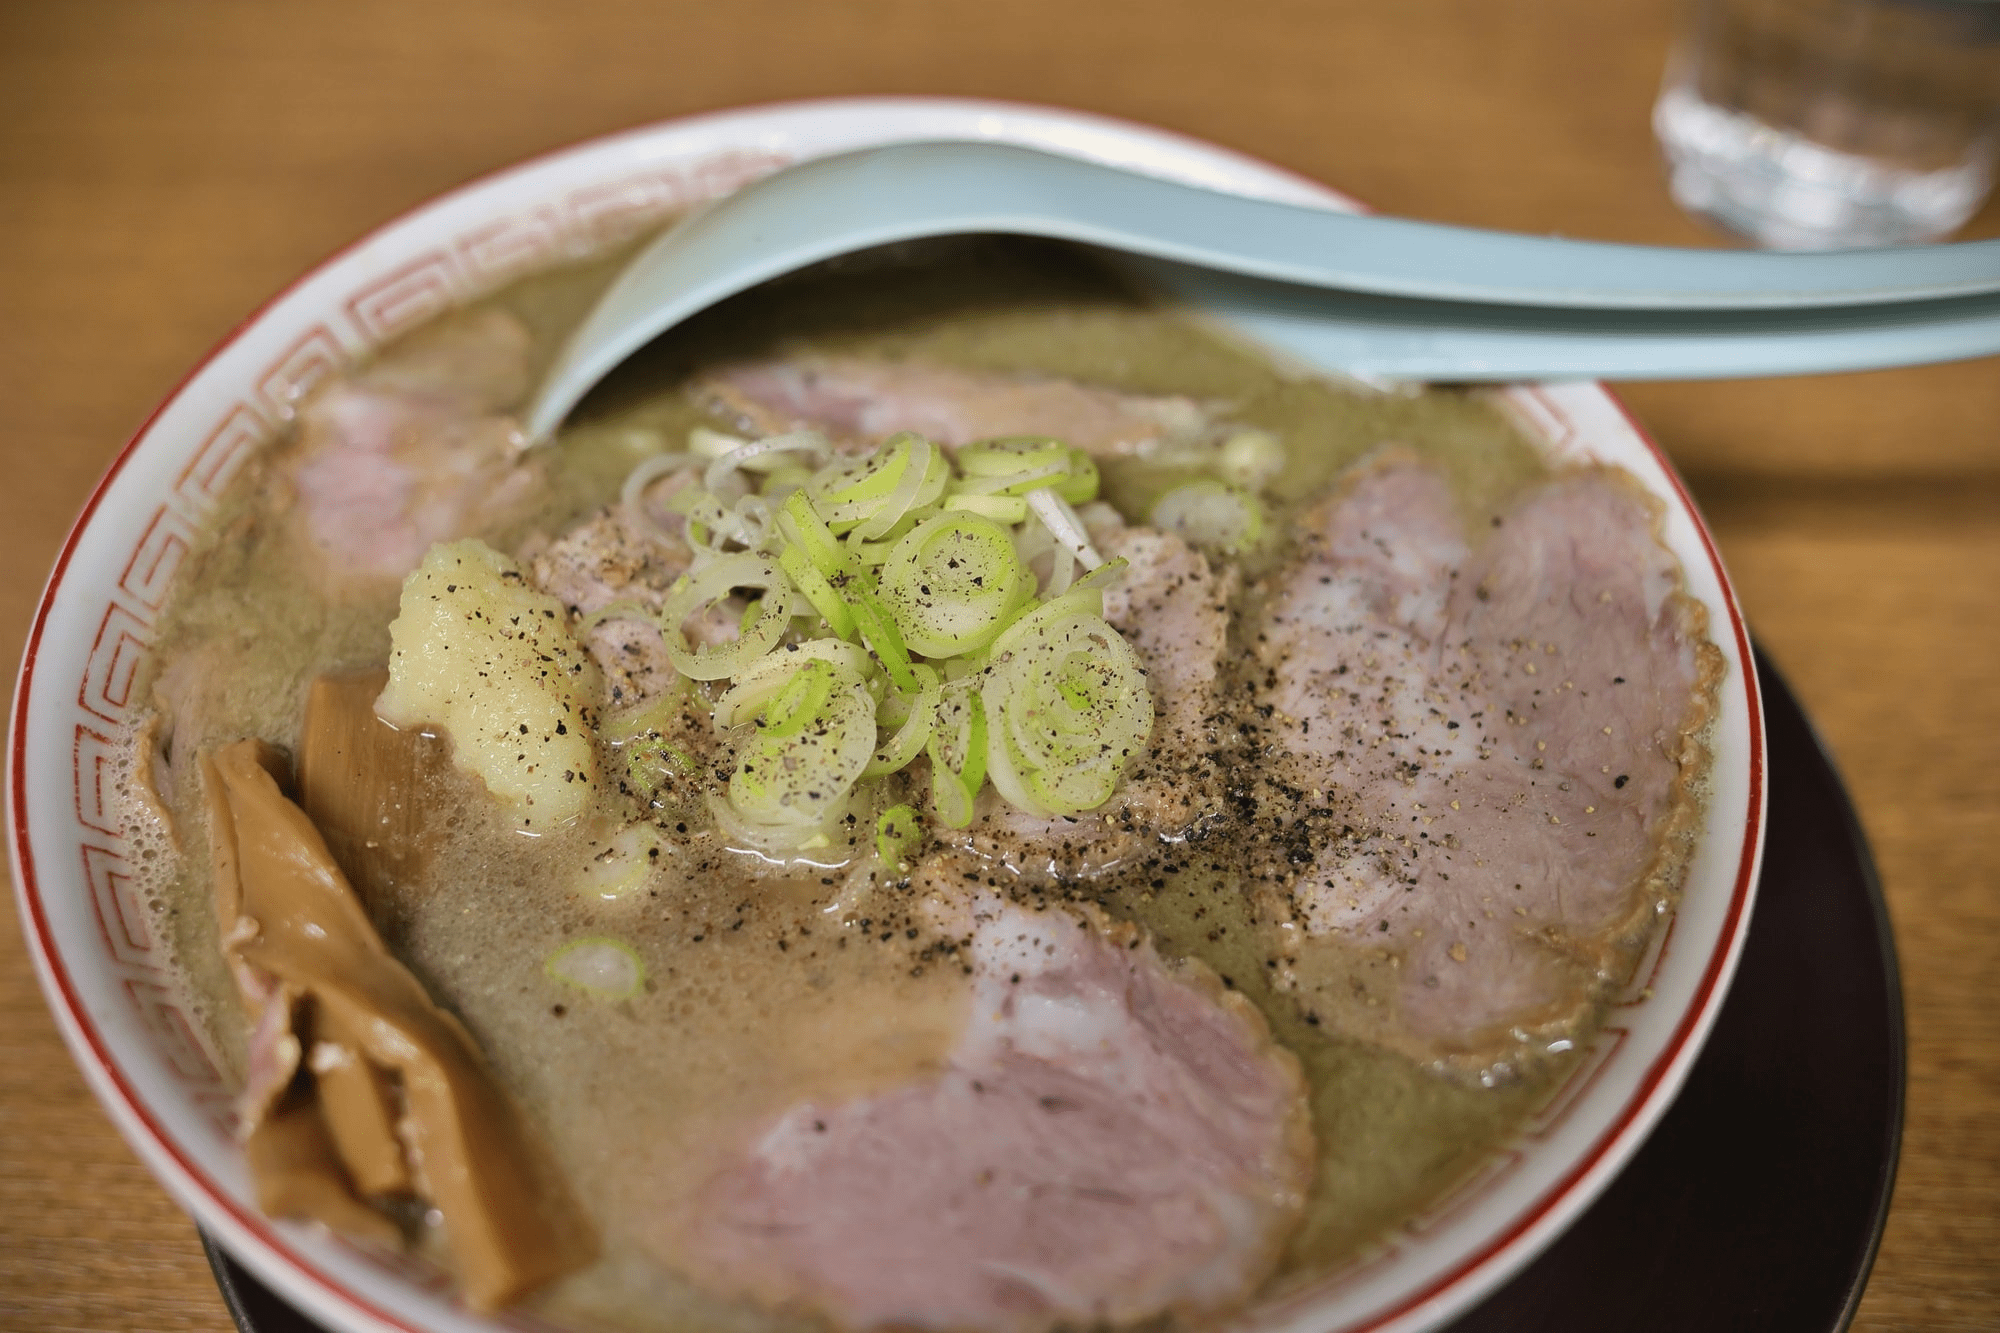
(1825, 124)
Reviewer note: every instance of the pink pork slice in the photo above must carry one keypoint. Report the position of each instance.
(618, 557)
(1114, 1136)
(1512, 728)
(414, 450)
(865, 400)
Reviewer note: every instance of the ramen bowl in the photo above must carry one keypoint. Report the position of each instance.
(103, 962)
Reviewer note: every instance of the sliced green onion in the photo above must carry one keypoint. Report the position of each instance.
(623, 609)
(849, 491)
(871, 554)
(1252, 459)
(958, 753)
(762, 456)
(624, 865)
(799, 703)
(937, 476)
(782, 480)
(764, 678)
(797, 770)
(1084, 595)
(897, 834)
(754, 521)
(963, 666)
(914, 558)
(856, 481)
(651, 761)
(877, 629)
(1023, 463)
(683, 500)
(1103, 577)
(1212, 515)
(1062, 570)
(1067, 709)
(813, 586)
(1064, 525)
(924, 468)
(709, 521)
(711, 444)
(638, 737)
(973, 775)
(711, 584)
(1013, 483)
(999, 508)
(801, 524)
(604, 968)
(1012, 454)
(1086, 598)
(1083, 482)
(869, 496)
(951, 581)
(958, 668)
(893, 707)
(716, 528)
(918, 715)
(641, 478)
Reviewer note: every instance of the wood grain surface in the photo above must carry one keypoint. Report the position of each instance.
(166, 165)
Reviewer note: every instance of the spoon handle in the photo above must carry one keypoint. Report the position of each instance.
(1377, 295)
(1412, 339)
(946, 188)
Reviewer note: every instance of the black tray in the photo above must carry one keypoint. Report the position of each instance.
(1758, 1202)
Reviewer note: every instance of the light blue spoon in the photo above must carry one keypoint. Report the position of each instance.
(1371, 295)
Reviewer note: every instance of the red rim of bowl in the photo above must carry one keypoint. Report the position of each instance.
(88, 1046)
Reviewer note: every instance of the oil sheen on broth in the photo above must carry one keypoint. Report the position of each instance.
(764, 990)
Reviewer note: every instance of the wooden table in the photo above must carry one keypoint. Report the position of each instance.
(166, 166)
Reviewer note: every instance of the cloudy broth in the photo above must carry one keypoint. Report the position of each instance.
(766, 985)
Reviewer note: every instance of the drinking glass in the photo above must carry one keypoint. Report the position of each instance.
(1823, 124)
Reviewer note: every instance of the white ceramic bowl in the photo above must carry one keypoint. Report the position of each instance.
(101, 961)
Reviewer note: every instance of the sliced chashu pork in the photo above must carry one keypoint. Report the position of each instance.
(1493, 743)
(417, 449)
(626, 558)
(1113, 1136)
(860, 401)
(620, 558)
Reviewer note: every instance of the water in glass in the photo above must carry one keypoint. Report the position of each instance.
(1816, 124)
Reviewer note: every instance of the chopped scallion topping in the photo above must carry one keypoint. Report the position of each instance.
(951, 581)
(604, 968)
(897, 834)
(882, 607)
(1212, 515)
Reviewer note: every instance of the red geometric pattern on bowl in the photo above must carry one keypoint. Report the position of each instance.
(467, 265)
(1638, 986)
(1609, 1040)
(123, 645)
(149, 574)
(316, 355)
(222, 455)
(484, 259)
(120, 915)
(97, 760)
(380, 310)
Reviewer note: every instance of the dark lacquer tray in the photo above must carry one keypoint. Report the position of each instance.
(1758, 1202)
